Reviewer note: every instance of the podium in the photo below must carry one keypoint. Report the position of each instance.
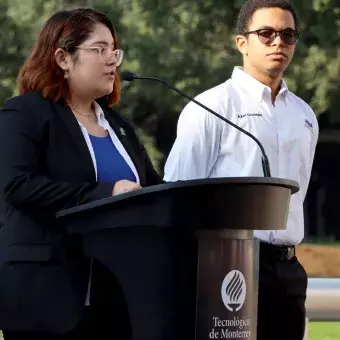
(184, 252)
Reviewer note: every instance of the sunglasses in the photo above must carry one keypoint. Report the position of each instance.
(268, 35)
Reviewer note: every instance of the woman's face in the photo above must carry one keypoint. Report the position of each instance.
(91, 72)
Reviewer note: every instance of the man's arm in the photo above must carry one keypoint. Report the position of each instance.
(315, 138)
(314, 141)
(197, 145)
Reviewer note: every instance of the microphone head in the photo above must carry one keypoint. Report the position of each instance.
(128, 76)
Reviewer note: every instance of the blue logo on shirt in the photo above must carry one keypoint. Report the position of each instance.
(309, 125)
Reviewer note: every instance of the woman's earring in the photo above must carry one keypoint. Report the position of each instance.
(66, 74)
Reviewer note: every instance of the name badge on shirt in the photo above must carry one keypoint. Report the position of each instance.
(249, 114)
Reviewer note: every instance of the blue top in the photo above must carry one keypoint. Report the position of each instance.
(111, 166)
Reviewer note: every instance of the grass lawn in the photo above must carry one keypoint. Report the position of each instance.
(324, 331)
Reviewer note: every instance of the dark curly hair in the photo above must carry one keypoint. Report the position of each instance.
(251, 6)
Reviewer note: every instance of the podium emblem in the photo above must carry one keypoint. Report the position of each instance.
(233, 290)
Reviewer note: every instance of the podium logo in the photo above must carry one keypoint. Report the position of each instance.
(233, 290)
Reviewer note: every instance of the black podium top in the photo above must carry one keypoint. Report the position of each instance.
(236, 203)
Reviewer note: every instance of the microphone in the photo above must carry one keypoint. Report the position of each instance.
(129, 76)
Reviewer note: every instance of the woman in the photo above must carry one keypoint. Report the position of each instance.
(62, 145)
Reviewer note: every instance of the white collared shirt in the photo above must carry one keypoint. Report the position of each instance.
(207, 147)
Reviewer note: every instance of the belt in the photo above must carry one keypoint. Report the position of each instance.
(276, 252)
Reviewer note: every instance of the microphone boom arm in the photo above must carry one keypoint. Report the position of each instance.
(265, 161)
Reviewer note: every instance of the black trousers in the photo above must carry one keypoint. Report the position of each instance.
(106, 317)
(282, 295)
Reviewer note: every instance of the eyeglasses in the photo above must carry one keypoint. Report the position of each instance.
(268, 35)
(105, 52)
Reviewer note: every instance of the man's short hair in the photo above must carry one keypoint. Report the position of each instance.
(251, 6)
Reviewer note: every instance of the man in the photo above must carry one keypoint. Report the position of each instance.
(257, 99)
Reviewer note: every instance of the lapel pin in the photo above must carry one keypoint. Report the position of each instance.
(122, 131)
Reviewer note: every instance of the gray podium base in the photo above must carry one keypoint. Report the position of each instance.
(227, 285)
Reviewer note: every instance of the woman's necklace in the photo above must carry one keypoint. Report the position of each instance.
(78, 112)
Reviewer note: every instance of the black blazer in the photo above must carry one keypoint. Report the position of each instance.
(45, 166)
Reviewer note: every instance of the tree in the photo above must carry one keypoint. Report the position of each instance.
(189, 43)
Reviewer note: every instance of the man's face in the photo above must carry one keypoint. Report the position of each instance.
(263, 51)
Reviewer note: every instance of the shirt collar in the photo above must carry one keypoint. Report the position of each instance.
(254, 87)
(99, 112)
(284, 90)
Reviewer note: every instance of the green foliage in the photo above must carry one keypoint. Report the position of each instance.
(189, 43)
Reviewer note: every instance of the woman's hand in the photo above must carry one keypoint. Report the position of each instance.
(123, 186)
